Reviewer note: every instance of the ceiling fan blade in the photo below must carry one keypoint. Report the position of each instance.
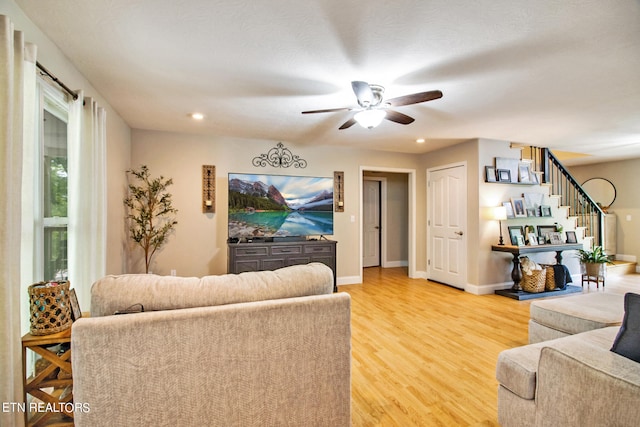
(363, 93)
(328, 110)
(348, 124)
(394, 116)
(414, 98)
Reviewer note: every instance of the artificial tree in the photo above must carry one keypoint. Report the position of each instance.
(151, 216)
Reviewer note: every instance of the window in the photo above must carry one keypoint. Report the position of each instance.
(53, 182)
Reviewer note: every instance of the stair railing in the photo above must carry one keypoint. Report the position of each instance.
(581, 206)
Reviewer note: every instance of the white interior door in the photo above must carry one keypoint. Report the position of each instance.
(446, 225)
(371, 223)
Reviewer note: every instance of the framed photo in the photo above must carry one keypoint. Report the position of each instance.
(524, 173)
(545, 230)
(533, 239)
(533, 200)
(555, 238)
(534, 178)
(509, 208)
(510, 164)
(76, 313)
(504, 175)
(571, 237)
(531, 212)
(490, 174)
(515, 231)
(545, 210)
(518, 207)
(541, 240)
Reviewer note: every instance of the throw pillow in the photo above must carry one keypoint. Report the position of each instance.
(627, 342)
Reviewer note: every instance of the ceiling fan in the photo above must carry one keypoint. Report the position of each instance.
(372, 110)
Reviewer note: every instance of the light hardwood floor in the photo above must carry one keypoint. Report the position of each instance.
(424, 354)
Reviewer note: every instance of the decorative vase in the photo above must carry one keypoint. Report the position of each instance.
(593, 269)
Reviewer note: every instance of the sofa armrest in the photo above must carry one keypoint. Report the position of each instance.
(583, 384)
(278, 362)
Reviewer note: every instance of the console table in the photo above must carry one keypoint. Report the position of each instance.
(257, 256)
(517, 251)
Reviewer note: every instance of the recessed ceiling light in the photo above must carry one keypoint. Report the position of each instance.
(420, 140)
(197, 116)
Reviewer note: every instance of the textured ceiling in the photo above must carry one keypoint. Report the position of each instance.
(564, 75)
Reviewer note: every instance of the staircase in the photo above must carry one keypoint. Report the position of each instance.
(585, 213)
(581, 209)
(620, 268)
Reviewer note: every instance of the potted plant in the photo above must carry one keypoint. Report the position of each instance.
(593, 262)
(151, 216)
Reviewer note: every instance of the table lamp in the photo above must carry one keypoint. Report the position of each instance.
(500, 214)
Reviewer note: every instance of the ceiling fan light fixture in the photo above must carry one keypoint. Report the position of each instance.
(370, 118)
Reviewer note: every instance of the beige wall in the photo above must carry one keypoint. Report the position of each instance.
(488, 270)
(482, 267)
(624, 176)
(494, 268)
(198, 246)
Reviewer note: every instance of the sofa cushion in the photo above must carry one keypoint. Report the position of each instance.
(579, 313)
(113, 293)
(517, 368)
(627, 343)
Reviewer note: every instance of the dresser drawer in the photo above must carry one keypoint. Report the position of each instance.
(252, 251)
(286, 250)
(318, 249)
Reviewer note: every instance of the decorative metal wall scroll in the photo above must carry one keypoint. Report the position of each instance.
(208, 188)
(279, 157)
(338, 191)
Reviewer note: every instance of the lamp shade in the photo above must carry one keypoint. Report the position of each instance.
(500, 213)
(370, 118)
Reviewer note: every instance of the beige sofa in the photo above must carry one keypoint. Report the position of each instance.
(574, 380)
(268, 348)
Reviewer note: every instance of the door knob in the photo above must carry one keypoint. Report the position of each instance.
(459, 233)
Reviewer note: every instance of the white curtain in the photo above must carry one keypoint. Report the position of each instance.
(87, 196)
(17, 71)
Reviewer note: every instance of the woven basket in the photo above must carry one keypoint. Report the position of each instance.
(50, 308)
(535, 281)
(550, 281)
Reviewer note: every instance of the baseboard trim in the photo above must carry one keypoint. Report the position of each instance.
(487, 289)
(393, 264)
(626, 258)
(420, 275)
(349, 280)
